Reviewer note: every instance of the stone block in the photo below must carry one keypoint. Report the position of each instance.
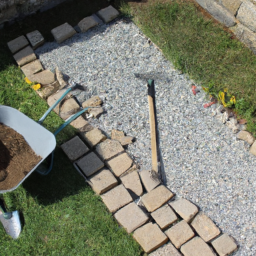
(224, 245)
(48, 90)
(17, 44)
(164, 216)
(231, 5)
(150, 237)
(44, 78)
(132, 183)
(95, 112)
(247, 15)
(87, 23)
(166, 250)
(94, 137)
(60, 78)
(102, 181)
(24, 56)
(90, 164)
(218, 12)
(92, 102)
(63, 32)
(32, 68)
(184, 208)
(35, 38)
(150, 182)
(116, 198)
(108, 149)
(79, 123)
(197, 247)
(180, 233)
(120, 164)
(205, 227)
(108, 14)
(246, 136)
(156, 198)
(253, 149)
(126, 140)
(69, 107)
(131, 217)
(74, 148)
(117, 135)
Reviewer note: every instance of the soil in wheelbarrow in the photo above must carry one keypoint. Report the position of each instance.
(16, 158)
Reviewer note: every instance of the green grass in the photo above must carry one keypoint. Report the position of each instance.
(202, 49)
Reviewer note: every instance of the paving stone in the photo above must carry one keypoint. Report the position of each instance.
(87, 23)
(231, 5)
(224, 245)
(164, 216)
(156, 198)
(180, 233)
(126, 140)
(253, 149)
(92, 102)
(32, 68)
(205, 227)
(74, 148)
(109, 148)
(24, 56)
(184, 208)
(131, 217)
(44, 78)
(17, 44)
(120, 164)
(94, 137)
(166, 250)
(107, 14)
(116, 198)
(132, 183)
(48, 90)
(79, 123)
(95, 112)
(197, 247)
(102, 181)
(35, 38)
(246, 136)
(63, 32)
(90, 164)
(69, 107)
(116, 134)
(148, 181)
(150, 237)
(60, 78)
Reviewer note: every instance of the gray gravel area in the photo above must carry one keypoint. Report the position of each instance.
(202, 159)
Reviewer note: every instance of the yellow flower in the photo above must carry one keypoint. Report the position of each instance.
(36, 86)
(225, 90)
(27, 80)
(233, 100)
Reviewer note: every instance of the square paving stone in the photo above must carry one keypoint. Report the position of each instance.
(44, 78)
(24, 56)
(107, 14)
(180, 233)
(74, 148)
(164, 216)
(79, 122)
(35, 38)
(197, 247)
(87, 23)
(224, 245)
(17, 44)
(94, 101)
(205, 227)
(63, 32)
(150, 237)
(184, 208)
(108, 149)
(102, 181)
(116, 198)
(148, 181)
(120, 164)
(90, 164)
(166, 250)
(156, 198)
(69, 107)
(131, 217)
(32, 68)
(94, 137)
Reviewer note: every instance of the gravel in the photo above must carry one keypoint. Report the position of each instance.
(202, 159)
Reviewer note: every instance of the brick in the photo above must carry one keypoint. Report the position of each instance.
(116, 198)
(87, 23)
(148, 180)
(231, 5)
(90, 164)
(108, 149)
(131, 217)
(164, 216)
(196, 247)
(24, 56)
(94, 137)
(74, 148)
(180, 233)
(246, 136)
(150, 237)
(205, 227)
(69, 107)
(184, 208)
(44, 77)
(48, 90)
(63, 32)
(224, 245)
(120, 164)
(17, 44)
(166, 250)
(32, 68)
(102, 181)
(35, 38)
(79, 122)
(108, 14)
(156, 198)
(94, 101)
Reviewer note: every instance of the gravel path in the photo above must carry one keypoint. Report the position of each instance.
(202, 159)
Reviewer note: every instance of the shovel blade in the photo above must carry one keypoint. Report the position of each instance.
(12, 226)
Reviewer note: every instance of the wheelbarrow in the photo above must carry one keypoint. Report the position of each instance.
(42, 143)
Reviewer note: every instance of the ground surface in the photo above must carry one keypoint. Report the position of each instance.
(202, 159)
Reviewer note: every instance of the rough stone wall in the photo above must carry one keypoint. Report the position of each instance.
(238, 15)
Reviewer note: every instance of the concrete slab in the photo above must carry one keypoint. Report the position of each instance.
(35, 38)
(24, 56)
(63, 32)
(17, 44)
